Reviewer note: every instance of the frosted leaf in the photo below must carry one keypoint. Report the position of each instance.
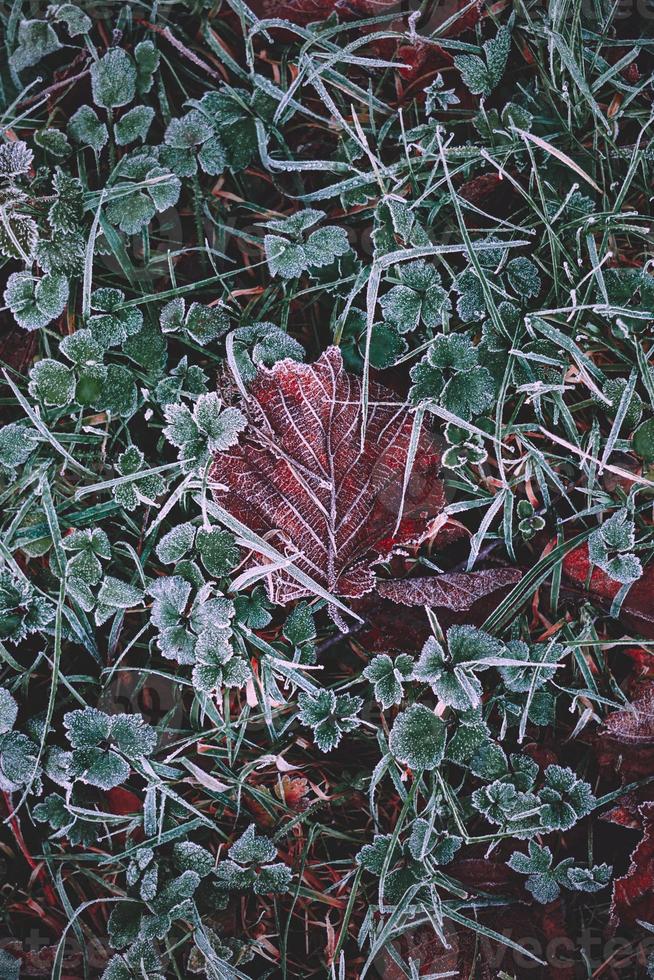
(19, 234)
(131, 212)
(418, 738)
(54, 142)
(76, 21)
(218, 551)
(482, 75)
(175, 544)
(17, 443)
(188, 131)
(329, 715)
(524, 277)
(36, 40)
(163, 187)
(15, 159)
(113, 79)
(8, 711)
(52, 382)
(134, 125)
(335, 501)
(36, 302)
(118, 594)
(387, 677)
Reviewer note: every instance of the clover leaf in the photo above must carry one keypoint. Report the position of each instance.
(104, 745)
(501, 803)
(251, 865)
(534, 676)
(546, 880)
(387, 677)
(426, 841)
(202, 323)
(181, 622)
(205, 430)
(216, 663)
(22, 610)
(450, 374)
(565, 798)
(451, 672)
(143, 490)
(482, 75)
(84, 568)
(263, 343)
(36, 302)
(329, 715)
(610, 547)
(419, 298)
(290, 257)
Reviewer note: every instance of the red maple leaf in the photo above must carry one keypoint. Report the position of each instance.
(301, 477)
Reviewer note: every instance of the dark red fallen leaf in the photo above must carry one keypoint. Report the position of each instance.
(479, 188)
(625, 742)
(305, 11)
(637, 610)
(458, 591)
(387, 629)
(39, 961)
(633, 894)
(626, 812)
(539, 929)
(300, 476)
(122, 801)
(17, 347)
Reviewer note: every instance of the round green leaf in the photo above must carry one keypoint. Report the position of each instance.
(418, 738)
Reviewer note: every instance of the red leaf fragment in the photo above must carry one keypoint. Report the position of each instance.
(457, 591)
(17, 347)
(626, 812)
(122, 801)
(637, 610)
(479, 188)
(633, 894)
(625, 743)
(300, 477)
(387, 629)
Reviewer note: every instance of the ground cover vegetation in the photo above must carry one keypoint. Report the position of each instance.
(326, 472)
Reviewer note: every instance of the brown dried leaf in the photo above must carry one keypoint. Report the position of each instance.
(457, 591)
